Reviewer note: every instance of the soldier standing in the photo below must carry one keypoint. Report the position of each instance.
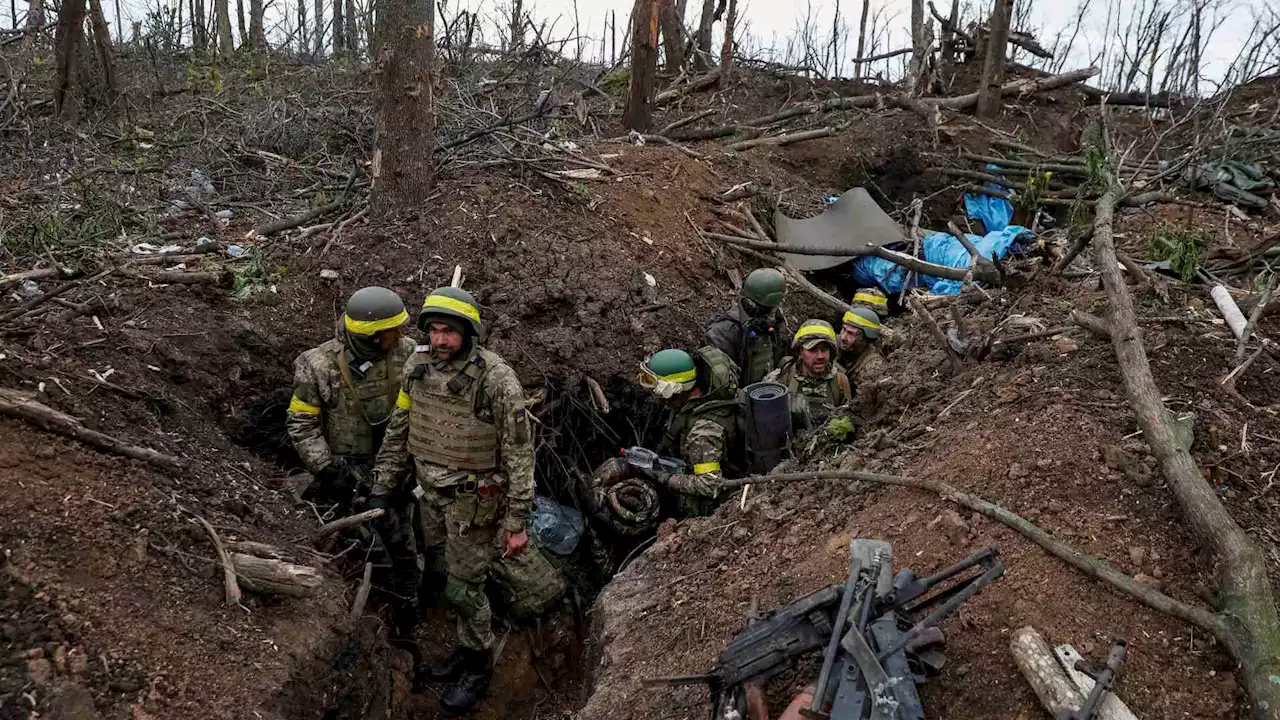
(343, 395)
(751, 332)
(815, 382)
(861, 360)
(460, 418)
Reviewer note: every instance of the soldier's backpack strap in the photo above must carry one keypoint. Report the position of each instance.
(474, 370)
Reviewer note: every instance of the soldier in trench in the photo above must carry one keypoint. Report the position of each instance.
(816, 384)
(751, 332)
(460, 421)
(859, 356)
(703, 431)
(343, 394)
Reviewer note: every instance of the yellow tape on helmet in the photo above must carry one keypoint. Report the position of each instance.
(370, 327)
(445, 302)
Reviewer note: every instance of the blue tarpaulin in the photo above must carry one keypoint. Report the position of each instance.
(940, 249)
(995, 213)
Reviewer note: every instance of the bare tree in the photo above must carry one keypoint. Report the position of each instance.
(921, 41)
(993, 64)
(862, 39)
(223, 10)
(672, 35)
(304, 43)
(120, 25)
(102, 49)
(404, 165)
(352, 40)
(644, 65)
(240, 24)
(199, 30)
(726, 50)
(319, 36)
(69, 43)
(712, 10)
(339, 32)
(257, 34)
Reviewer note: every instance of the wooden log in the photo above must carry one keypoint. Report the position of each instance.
(1111, 707)
(257, 549)
(274, 577)
(1034, 657)
(178, 277)
(362, 595)
(346, 523)
(38, 274)
(21, 406)
(784, 139)
(230, 585)
(51, 294)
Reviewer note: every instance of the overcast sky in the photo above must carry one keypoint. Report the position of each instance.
(771, 23)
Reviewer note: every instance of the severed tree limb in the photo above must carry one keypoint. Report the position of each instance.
(346, 523)
(51, 294)
(957, 365)
(1092, 323)
(687, 121)
(230, 585)
(1248, 625)
(1093, 567)
(976, 259)
(1254, 316)
(783, 139)
(16, 404)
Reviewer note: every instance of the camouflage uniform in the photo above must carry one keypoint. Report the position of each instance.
(864, 366)
(814, 398)
(340, 404)
(463, 424)
(756, 345)
(704, 432)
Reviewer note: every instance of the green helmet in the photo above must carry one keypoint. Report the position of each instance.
(451, 305)
(865, 320)
(668, 372)
(812, 333)
(765, 287)
(872, 299)
(372, 310)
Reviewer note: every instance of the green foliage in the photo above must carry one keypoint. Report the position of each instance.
(839, 428)
(254, 275)
(582, 190)
(1033, 197)
(1181, 247)
(615, 83)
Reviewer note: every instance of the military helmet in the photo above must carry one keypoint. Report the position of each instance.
(765, 287)
(449, 305)
(372, 310)
(667, 373)
(813, 333)
(865, 320)
(872, 299)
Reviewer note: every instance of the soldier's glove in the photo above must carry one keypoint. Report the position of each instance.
(387, 526)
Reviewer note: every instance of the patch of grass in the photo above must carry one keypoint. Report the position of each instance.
(616, 83)
(253, 276)
(582, 190)
(1033, 197)
(1181, 247)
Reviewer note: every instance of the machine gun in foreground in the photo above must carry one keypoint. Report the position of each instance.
(879, 631)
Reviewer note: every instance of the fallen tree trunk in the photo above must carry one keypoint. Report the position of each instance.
(1248, 624)
(274, 577)
(784, 139)
(1035, 659)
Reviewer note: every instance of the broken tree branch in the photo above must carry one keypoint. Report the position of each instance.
(346, 523)
(362, 595)
(230, 585)
(957, 365)
(19, 405)
(1254, 316)
(783, 139)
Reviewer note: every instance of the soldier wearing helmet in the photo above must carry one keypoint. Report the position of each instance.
(343, 393)
(872, 299)
(460, 421)
(816, 383)
(861, 359)
(751, 332)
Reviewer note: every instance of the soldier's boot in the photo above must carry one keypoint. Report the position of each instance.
(471, 686)
(446, 670)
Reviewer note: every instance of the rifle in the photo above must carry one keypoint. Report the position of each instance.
(879, 630)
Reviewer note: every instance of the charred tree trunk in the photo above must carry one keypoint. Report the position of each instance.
(222, 9)
(672, 36)
(353, 29)
(1250, 627)
(644, 66)
(726, 51)
(68, 38)
(404, 165)
(339, 31)
(257, 34)
(993, 63)
(102, 48)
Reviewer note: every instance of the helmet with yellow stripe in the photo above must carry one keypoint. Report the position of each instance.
(872, 299)
(453, 306)
(865, 320)
(813, 333)
(372, 310)
(668, 373)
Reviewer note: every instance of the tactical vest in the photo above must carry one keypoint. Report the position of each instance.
(759, 344)
(444, 429)
(721, 405)
(820, 396)
(360, 406)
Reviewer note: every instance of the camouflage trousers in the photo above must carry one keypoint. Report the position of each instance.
(464, 529)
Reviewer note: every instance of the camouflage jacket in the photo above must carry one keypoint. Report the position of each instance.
(756, 345)
(704, 432)
(813, 397)
(499, 400)
(332, 415)
(864, 367)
